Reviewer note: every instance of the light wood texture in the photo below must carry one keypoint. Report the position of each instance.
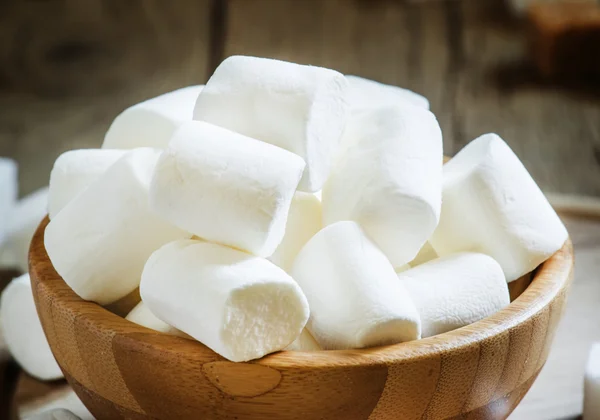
(124, 371)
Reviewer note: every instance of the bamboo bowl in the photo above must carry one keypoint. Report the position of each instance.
(124, 371)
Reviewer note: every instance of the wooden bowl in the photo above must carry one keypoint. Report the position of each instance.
(124, 371)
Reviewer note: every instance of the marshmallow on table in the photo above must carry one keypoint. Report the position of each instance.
(591, 400)
(455, 291)
(241, 306)
(388, 179)
(101, 240)
(8, 193)
(304, 220)
(355, 297)
(302, 109)
(23, 331)
(152, 123)
(74, 171)
(225, 187)
(493, 206)
(426, 253)
(304, 342)
(364, 94)
(141, 315)
(23, 220)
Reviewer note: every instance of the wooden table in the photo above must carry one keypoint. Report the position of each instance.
(68, 68)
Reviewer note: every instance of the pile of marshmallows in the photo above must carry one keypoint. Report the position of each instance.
(216, 214)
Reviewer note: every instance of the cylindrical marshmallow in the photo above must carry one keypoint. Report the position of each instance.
(303, 222)
(455, 291)
(23, 333)
(591, 392)
(100, 242)
(23, 220)
(364, 94)
(152, 123)
(388, 179)
(241, 306)
(354, 294)
(304, 342)
(56, 414)
(225, 187)
(302, 109)
(142, 315)
(65, 403)
(493, 206)
(8, 193)
(74, 171)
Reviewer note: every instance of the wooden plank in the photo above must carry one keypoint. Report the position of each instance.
(68, 68)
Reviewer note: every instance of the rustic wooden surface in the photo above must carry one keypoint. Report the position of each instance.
(122, 370)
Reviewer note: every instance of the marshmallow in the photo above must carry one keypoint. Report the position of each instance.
(56, 414)
(303, 222)
(8, 193)
(591, 399)
(100, 241)
(24, 219)
(74, 171)
(141, 315)
(364, 94)
(388, 178)
(426, 253)
(242, 307)
(304, 342)
(455, 291)
(493, 206)
(23, 331)
(61, 404)
(152, 122)
(302, 109)
(225, 187)
(355, 297)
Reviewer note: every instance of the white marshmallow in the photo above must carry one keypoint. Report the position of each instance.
(74, 171)
(23, 331)
(64, 401)
(225, 187)
(101, 240)
(302, 109)
(493, 206)
(304, 342)
(388, 178)
(364, 94)
(591, 399)
(24, 219)
(303, 222)
(426, 253)
(8, 193)
(243, 307)
(56, 414)
(455, 291)
(152, 123)
(142, 315)
(354, 294)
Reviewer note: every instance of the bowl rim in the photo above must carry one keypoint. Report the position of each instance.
(550, 279)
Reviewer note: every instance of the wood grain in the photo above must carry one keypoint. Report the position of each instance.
(122, 370)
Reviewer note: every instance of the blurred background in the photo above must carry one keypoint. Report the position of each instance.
(530, 74)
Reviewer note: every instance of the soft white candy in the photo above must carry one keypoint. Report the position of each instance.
(142, 315)
(8, 193)
(241, 306)
(61, 404)
(152, 122)
(304, 342)
(56, 414)
(24, 219)
(23, 331)
(101, 240)
(225, 187)
(354, 294)
(364, 94)
(455, 291)
(302, 109)
(74, 171)
(493, 206)
(426, 253)
(303, 222)
(591, 400)
(388, 178)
